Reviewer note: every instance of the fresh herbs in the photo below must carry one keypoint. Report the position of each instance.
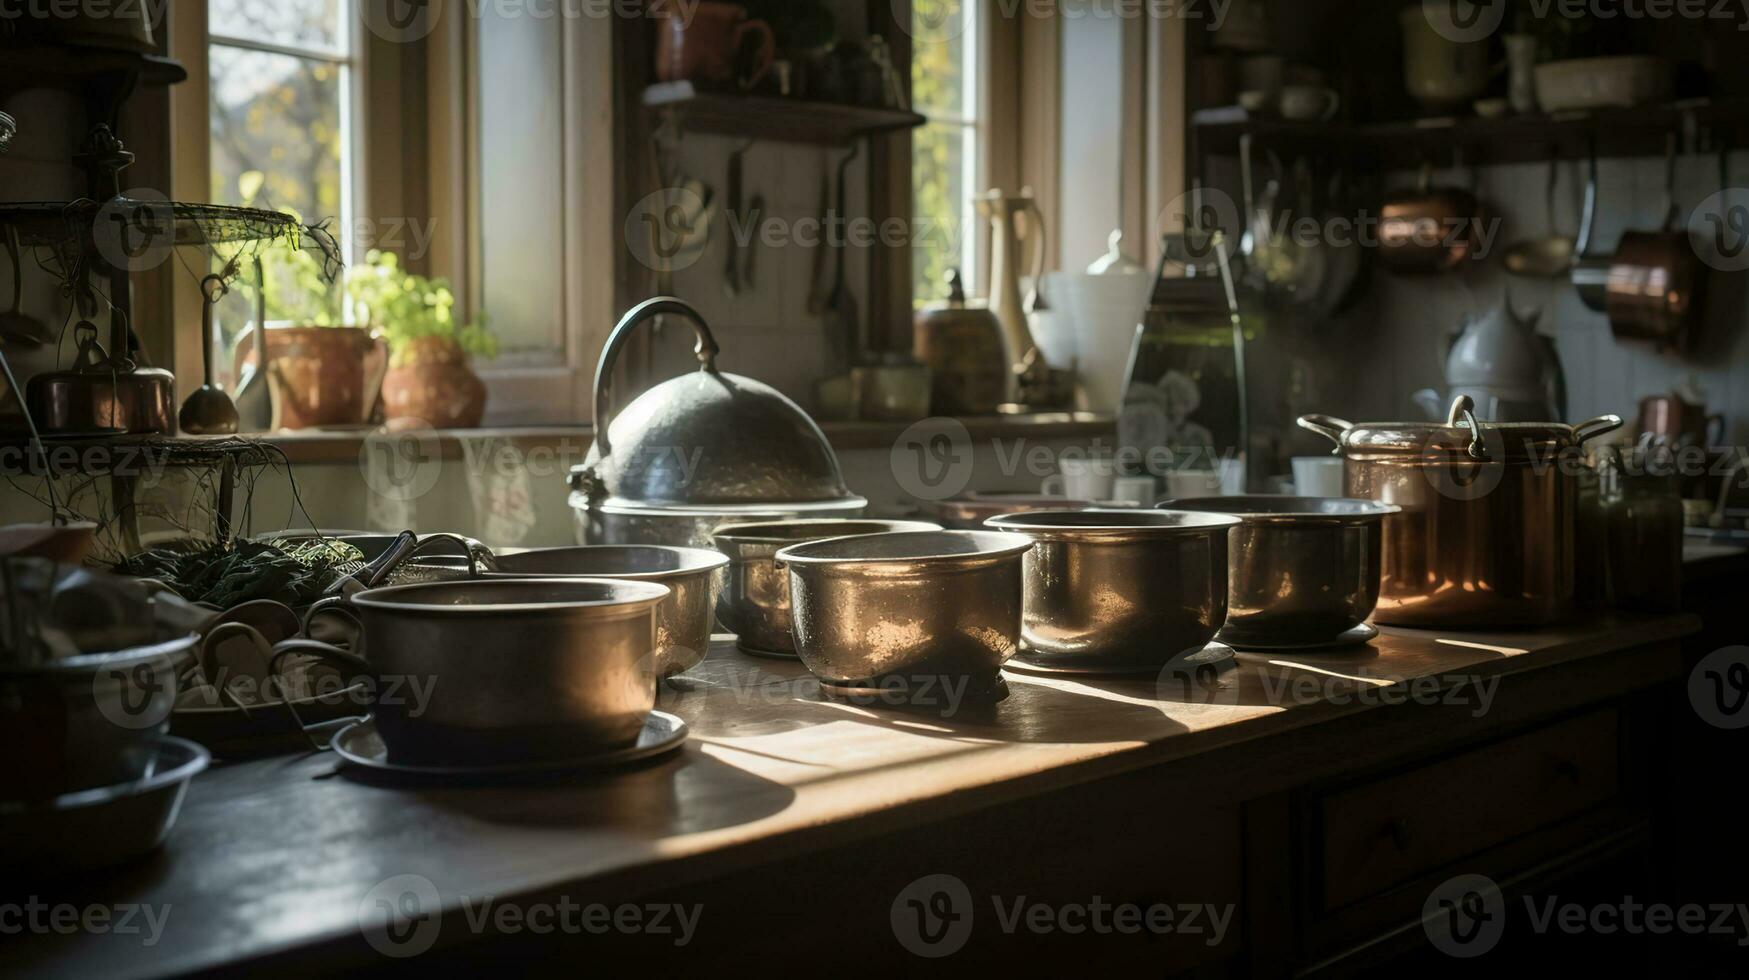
(229, 575)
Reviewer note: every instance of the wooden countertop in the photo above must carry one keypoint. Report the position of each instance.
(277, 855)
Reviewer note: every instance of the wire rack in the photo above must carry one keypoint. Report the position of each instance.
(72, 227)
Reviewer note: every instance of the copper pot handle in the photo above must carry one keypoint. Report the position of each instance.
(1592, 428)
(1328, 426)
(1463, 415)
(706, 350)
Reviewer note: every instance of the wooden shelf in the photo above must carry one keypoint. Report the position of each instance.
(777, 119)
(53, 65)
(1509, 139)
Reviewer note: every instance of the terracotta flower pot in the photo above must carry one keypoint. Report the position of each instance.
(323, 376)
(430, 381)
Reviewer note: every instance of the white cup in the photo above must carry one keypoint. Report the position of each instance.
(1232, 473)
(1192, 483)
(1082, 478)
(1318, 476)
(1134, 490)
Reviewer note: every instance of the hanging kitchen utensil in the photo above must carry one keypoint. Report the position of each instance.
(843, 333)
(732, 254)
(17, 326)
(755, 214)
(1590, 271)
(208, 411)
(818, 294)
(254, 402)
(1656, 282)
(1548, 257)
(1429, 229)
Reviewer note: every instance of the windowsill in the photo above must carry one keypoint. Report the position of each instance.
(342, 446)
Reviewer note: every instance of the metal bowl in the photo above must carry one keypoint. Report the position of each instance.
(90, 720)
(106, 825)
(1121, 591)
(1304, 569)
(754, 603)
(507, 670)
(898, 612)
(683, 620)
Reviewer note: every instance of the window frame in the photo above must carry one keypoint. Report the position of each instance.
(352, 58)
(975, 173)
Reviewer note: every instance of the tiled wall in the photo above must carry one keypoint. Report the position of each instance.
(766, 332)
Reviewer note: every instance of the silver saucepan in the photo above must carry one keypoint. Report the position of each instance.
(754, 604)
(498, 671)
(902, 612)
(1121, 591)
(1305, 570)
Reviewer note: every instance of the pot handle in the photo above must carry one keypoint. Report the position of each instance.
(1592, 428)
(1463, 415)
(326, 653)
(705, 349)
(1328, 426)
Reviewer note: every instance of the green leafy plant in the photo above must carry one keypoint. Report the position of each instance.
(404, 307)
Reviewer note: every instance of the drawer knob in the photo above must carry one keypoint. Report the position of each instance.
(1569, 770)
(1397, 831)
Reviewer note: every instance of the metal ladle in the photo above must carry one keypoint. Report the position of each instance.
(15, 325)
(1548, 257)
(209, 411)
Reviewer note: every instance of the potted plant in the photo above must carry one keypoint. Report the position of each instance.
(429, 378)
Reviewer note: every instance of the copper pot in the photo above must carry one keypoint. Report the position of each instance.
(1429, 229)
(102, 393)
(1653, 284)
(1485, 535)
(1680, 422)
(323, 376)
(1655, 287)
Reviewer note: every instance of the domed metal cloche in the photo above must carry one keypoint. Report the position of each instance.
(704, 447)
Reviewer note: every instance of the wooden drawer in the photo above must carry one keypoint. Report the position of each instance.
(1370, 837)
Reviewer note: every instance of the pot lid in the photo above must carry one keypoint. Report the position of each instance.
(1462, 434)
(705, 439)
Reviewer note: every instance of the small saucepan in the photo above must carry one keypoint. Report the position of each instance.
(484, 672)
(1305, 570)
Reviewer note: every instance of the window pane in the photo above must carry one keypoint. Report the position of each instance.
(276, 144)
(521, 161)
(294, 23)
(939, 156)
(938, 57)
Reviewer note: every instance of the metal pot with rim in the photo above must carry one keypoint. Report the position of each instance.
(699, 451)
(1485, 534)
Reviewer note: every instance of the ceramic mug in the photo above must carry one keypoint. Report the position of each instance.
(1318, 476)
(706, 46)
(1082, 478)
(1192, 483)
(1137, 490)
(1309, 103)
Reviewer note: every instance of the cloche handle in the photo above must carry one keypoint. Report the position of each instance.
(705, 349)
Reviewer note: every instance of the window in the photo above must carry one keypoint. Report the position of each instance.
(944, 175)
(281, 114)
